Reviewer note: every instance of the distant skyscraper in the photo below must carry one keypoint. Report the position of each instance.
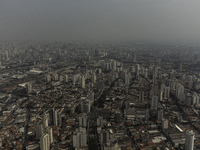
(160, 115)
(146, 114)
(49, 131)
(45, 120)
(100, 121)
(141, 97)
(166, 92)
(66, 78)
(154, 102)
(55, 77)
(165, 124)
(161, 96)
(113, 65)
(48, 78)
(39, 131)
(127, 79)
(44, 142)
(189, 143)
(79, 139)
(82, 121)
(93, 78)
(91, 96)
(55, 120)
(83, 82)
(104, 137)
(85, 106)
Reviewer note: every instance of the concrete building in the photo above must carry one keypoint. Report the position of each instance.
(83, 82)
(48, 78)
(44, 142)
(45, 120)
(39, 131)
(93, 78)
(165, 124)
(141, 97)
(55, 116)
(79, 140)
(154, 102)
(100, 121)
(82, 121)
(29, 87)
(189, 143)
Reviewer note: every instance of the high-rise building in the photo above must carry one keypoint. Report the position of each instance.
(82, 121)
(104, 137)
(100, 121)
(127, 79)
(66, 78)
(39, 131)
(83, 82)
(166, 92)
(160, 115)
(49, 131)
(44, 142)
(161, 96)
(45, 120)
(28, 87)
(113, 65)
(93, 78)
(79, 139)
(154, 102)
(55, 77)
(141, 97)
(189, 143)
(59, 118)
(48, 78)
(91, 96)
(55, 120)
(118, 118)
(85, 106)
(165, 124)
(146, 114)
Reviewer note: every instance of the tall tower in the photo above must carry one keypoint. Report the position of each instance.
(154, 102)
(39, 131)
(49, 131)
(55, 77)
(141, 97)
(66, 78)
(83, 82)
(93, 78)
(48, 78)
(55, 120)
(44, 142)
(45, 120)
(189, 143)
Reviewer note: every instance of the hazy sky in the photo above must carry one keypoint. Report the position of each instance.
(99, 20)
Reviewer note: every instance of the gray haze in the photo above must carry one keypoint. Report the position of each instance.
(100, 20)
